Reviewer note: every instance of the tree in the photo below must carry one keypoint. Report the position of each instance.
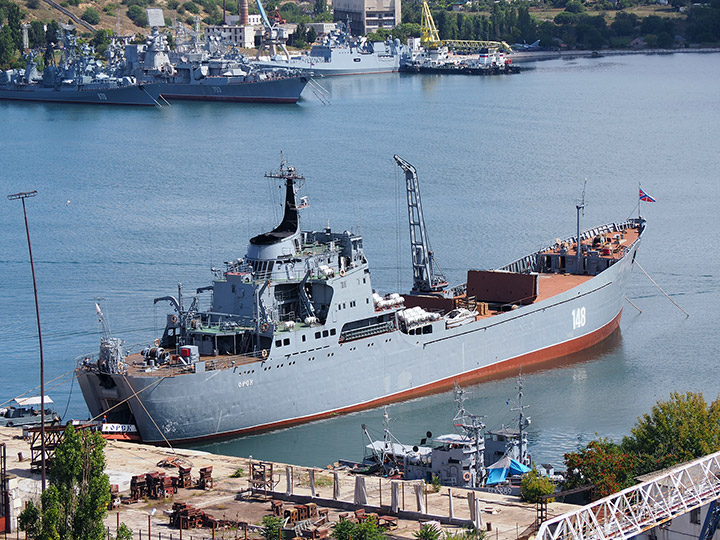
(677, 430)
(7, 47)
(601, 463)
(91, 15)
(15, 24)
(51, 33)
(271, 527)
(320, 7)
(75, 503)
(533, 487)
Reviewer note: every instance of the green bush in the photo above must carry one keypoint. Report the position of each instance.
(91, 16)
(534, 487)
(191, 7)
(137, 15)
(367, 530)
(427, 532)
(271, 527)
(124, 533)
(173, 4)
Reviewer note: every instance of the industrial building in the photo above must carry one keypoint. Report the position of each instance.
(367, 16)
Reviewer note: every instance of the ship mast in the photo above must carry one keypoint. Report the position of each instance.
(523, 421)
(473, 426)
(580, 207)
(427, 275)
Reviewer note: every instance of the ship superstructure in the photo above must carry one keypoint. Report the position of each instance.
(343, 54)
(295, 331)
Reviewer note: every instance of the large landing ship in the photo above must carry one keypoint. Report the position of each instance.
(295, 331)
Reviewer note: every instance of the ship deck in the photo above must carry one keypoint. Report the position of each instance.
(610, 245)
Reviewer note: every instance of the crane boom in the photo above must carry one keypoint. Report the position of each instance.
(430, 37)
(274, 36)
(427, 275)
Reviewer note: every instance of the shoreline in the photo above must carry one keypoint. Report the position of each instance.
(521, 57)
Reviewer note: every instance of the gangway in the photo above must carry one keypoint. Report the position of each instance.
(641, 507)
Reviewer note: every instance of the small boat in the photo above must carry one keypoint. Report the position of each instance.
(26, 412)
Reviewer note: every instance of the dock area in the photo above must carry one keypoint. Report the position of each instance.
(228, 496)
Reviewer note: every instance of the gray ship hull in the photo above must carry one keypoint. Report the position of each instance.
(278, 90)
(93, 94)
(329, 62)
(331, 377)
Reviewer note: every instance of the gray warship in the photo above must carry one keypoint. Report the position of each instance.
(198, 75)
(292, 321)
(78, 78)
(342, 54)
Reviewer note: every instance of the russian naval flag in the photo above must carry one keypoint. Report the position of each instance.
(645, 197)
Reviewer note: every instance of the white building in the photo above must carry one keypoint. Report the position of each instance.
(367, 15)
(242, 36)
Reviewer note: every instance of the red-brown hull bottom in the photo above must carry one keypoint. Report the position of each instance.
(495, 371)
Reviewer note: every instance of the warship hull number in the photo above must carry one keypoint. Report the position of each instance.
(578, 316)
(245, 384)
(102, 97)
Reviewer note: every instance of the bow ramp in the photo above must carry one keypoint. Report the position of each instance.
(642, 507)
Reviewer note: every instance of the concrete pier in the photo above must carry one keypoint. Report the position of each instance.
(504, 517)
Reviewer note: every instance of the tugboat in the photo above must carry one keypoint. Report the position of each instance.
(455, 459)
(467, 458)
(291, 322)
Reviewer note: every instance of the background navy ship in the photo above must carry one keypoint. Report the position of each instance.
(295, 332)
(342, 54)
(78, 78)
(196, 73)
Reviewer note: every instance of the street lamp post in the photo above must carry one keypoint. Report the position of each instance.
(22, 196)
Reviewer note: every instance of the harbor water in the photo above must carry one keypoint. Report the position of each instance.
(133, 201)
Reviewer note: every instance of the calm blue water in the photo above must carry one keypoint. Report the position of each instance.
(133, 201)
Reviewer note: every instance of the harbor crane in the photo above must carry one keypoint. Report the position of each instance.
(430, 38)
(274, 35)
(427, 275)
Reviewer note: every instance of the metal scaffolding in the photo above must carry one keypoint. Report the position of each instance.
(641, 507)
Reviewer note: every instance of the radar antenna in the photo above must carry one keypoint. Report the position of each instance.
(427, 275)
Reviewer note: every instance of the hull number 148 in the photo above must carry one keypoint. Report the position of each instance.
(578, 318)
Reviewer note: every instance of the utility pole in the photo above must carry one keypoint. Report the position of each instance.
(22, 196)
